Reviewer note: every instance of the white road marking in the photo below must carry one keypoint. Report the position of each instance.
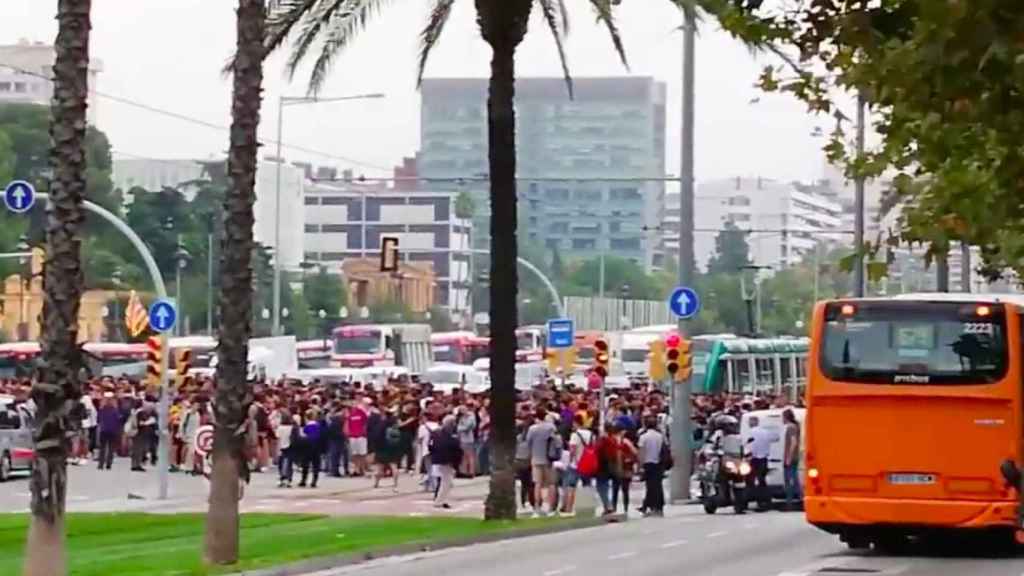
(717, 534)
(674, 543)
(622, 556)
(559, 571)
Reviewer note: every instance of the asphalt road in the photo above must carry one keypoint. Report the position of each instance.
(686, 543)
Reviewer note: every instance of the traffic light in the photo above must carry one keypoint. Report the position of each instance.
(602, 355)
(656, 362)
(677, 357)
(569, 359)
(182, 363)
(685, 361)
(389, 254)
(154, 362)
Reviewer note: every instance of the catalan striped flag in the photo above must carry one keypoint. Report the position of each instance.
(135, 316)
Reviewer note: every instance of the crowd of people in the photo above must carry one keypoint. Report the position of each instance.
(380, 430)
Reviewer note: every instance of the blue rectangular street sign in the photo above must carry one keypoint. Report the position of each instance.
(560, 333)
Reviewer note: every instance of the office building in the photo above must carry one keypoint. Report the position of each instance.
(25, 72)
(346, 220)
(598, 160)
(785, 223)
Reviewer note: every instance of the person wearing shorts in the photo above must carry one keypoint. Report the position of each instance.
(538, 438)
(357, 423)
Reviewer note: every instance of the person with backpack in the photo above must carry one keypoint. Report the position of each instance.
(446, 454)
(545, 449)
(389, 451)
(654, 457)
(581, 440)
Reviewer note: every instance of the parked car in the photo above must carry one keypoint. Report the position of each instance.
(16, 448)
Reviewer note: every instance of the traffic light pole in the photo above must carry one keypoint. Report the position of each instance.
(163, 408)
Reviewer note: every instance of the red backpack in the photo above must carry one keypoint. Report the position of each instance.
(587, 466)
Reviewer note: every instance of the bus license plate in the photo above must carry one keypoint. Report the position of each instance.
(911, 479)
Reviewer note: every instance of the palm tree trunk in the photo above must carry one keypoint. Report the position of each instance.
(56, 388)
(233, 395)
(503, 25)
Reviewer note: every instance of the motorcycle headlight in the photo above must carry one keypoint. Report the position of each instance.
(744, 468)
(730, 466)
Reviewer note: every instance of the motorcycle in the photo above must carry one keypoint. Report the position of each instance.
(723, 480)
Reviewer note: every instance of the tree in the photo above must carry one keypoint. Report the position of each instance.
(731, 251)
(324, 291)
(233, 395)
(57, 387)
(503, 25)
(942, 82)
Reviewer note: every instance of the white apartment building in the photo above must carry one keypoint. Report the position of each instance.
(347, 220)
(785, 223)
(25, 72)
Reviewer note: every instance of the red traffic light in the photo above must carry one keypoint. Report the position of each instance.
(673, 340)
(601, 345)
(672, 354)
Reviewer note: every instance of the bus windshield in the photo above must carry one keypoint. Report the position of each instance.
(914, 343)
(357, 342)
(526, 341)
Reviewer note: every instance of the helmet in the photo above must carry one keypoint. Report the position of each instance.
(726, 423)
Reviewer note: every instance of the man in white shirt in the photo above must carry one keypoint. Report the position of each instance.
(760, 442)
(650, 446)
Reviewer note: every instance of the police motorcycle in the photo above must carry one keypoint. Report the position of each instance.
(723, 470)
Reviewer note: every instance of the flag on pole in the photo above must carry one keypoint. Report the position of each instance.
(135, 316)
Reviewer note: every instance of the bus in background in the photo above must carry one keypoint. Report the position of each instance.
(18, 359)
(461, 347)
(914, 421)
(636, 347)
(367, 345)
(313, 354)
(530, 343)
(725, 363)
(584, 344)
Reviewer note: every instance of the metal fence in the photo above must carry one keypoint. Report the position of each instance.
(613, 314)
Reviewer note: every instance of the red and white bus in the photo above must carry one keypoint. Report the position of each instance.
(367, 345)
(462, 347)
(17, 359)
(313, 354)
(530, 343)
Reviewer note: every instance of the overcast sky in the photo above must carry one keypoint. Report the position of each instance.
(168, 54)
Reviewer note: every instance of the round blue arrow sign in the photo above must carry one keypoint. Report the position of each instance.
(162, 315)
(19, 196)
(684, 302)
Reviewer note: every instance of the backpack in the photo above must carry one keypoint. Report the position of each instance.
(554, 447)
(393, 436)
(587, 466)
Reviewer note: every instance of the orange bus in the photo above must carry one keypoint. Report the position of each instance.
(914, 421)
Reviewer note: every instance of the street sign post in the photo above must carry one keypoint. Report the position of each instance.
(162, 315)
(684, 302)
(19, 196)
(561, 333)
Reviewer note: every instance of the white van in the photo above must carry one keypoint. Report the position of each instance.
(772, 420)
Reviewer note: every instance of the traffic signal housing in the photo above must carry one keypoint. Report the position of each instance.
(182, 364)
(154, 362)
(656, 361)
(602, 357)
(677, 358)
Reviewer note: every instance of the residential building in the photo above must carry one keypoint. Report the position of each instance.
(785, 223)
(25, 72)
(154, 174)
(346, 219)
(598, 160)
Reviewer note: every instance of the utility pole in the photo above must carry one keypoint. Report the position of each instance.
(681, 430)
(965, 267)
(858, 205)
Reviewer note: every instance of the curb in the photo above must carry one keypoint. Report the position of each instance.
(353, 558)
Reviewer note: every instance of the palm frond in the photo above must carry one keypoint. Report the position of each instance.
(557, 18)
(431, 33)
(313, 25)
(342, 27)
(603, 8)
(282, 17)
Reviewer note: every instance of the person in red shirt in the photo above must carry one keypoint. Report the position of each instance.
(356, 424)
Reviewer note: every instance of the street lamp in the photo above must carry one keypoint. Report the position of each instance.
(115, 281)
(22, 246)
(364, 312)
(181, 256)
(281, 103)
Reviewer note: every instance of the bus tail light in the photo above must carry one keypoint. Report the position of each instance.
(983, 311)
(847, 310)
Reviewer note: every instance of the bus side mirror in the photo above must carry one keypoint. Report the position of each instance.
(1011, 473)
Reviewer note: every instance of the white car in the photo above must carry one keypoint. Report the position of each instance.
(450, 377)
(16, 447)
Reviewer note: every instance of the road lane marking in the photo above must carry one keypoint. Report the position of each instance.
(622, 556)
(558, 571)
(717, 534)
(674, 543)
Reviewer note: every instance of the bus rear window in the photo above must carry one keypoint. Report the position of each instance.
(914, 343)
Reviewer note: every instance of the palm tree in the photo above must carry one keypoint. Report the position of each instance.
(57, 389)
(503, 25)
(233, 395)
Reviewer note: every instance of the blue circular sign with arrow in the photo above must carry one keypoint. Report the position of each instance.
(162, 315)
(19, 196)
(684, 302)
